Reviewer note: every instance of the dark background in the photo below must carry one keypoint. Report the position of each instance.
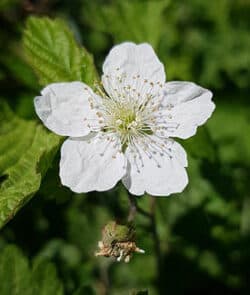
(199, 241)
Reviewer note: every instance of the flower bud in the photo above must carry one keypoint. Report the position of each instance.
(118, 241)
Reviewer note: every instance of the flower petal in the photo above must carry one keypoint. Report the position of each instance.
(159, 171)
(136, 67)
(185, 106)
(91, 163)
(65, 108)
(136, 59)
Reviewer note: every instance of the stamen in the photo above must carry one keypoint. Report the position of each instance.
(132, 110)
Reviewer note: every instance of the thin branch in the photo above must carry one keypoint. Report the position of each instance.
(105, 282)
(155, 233)
(132, 207)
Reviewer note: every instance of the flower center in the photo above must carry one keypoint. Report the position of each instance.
(124, 119)
(131, 107)
(124, 114)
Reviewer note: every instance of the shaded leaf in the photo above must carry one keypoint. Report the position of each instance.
(138, 21)
(18, 278)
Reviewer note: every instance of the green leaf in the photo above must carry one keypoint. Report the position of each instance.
(14, 272)
(200, 145)
(138, 21)
(19, 70)
(45, 280)
(26, 151)
(53, 53)
(18, 278)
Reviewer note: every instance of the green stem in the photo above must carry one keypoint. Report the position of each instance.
(132, 208)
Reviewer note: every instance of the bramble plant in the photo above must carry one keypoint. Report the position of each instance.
(97, 120)
(124, 129)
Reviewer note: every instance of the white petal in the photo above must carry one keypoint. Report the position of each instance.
(185, 107)
(157, 173)
(91, 163)
(65, 108)
(132, 65)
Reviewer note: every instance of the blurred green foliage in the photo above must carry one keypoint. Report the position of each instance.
(17, 278)
(199, 241)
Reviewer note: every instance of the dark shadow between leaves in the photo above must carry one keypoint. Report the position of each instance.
(3, 178)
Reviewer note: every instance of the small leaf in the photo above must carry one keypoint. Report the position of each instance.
(18, 278)
(53, 53)
(26, 151)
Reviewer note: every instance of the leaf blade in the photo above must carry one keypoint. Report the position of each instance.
(53, 53)
(18, 278)
(25, 168)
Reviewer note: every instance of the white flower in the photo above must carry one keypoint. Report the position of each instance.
(125, 131)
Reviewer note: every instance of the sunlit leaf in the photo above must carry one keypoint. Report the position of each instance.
(26, 151)
(53, 53)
